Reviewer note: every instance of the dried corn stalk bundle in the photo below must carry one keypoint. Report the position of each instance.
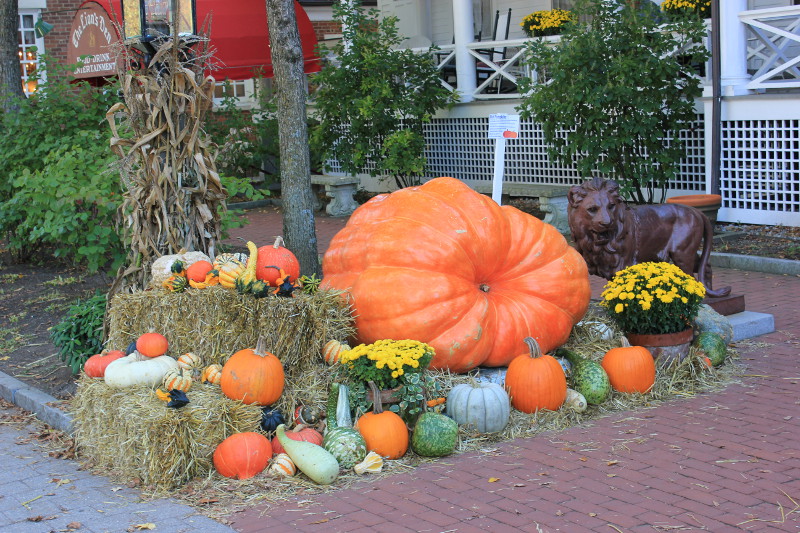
(173, 194)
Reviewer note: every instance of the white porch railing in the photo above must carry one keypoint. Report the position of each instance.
(773, 48)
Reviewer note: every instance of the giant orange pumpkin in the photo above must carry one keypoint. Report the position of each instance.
(630, 368)
(447, 266)
(242, 455)
(536, 381)
(253, 376)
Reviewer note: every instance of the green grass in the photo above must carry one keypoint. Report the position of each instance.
(10, 340)
(10, 278)
(59, 281)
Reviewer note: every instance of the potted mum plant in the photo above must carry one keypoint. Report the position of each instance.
(654, 304)
(686, 8)
(546, 22)
(397, 367)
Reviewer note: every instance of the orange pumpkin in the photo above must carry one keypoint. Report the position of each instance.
(274, 258)
(197, 271)
(253, 376)
(152, 344)
(242, 455)
(630, 368)
(384, 432)
(300, 433)
(536, 381)
(447, 266)
(95, 366)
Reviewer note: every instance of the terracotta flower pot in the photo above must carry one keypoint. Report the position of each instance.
(708, 204)
(665, 347)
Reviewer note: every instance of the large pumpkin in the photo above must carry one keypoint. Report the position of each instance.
(630, 368)
(447, 266)
(274, 257)
(253, 376)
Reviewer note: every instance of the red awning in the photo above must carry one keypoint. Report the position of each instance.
(239, 35)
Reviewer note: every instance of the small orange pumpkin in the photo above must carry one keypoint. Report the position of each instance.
(332, 350)
(212, 374)
(630, 368)
(198, 271)
(271, 259)
(95, 366)
(242, 455)
(384, 432)
(253, 376)
(536, 381)
(152, 344)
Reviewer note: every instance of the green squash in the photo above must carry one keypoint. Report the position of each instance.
(259, 289)
(346, 445)
(435, 435)
(712, 345)
(587, 377)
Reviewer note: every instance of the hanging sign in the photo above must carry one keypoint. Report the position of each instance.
(90, 41)
(501, 127)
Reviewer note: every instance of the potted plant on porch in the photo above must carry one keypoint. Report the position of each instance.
(612, 94)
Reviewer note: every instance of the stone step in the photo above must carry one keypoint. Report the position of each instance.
(748, 324)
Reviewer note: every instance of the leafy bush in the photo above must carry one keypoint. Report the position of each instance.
(57, 192)
(616, 91)
(368, 92)
(79, 335)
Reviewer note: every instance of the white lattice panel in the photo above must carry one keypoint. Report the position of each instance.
(760, 171)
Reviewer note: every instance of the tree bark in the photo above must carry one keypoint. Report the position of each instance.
(287, 61)
(10, 84)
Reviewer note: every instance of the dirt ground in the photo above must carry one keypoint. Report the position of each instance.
(33, 298)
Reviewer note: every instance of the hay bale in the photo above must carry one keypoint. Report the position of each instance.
(216, 322)
(131, 432)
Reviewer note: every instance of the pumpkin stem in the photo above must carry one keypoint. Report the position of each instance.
(377, 406)
(261, 347)
(484, 287)
(533, 347)
(278, 242)
(624, 342)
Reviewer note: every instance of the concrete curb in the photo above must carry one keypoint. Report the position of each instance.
(35, 401)
(752, 263)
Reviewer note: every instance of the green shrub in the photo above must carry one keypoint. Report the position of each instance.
(57, 193)
(79, 335)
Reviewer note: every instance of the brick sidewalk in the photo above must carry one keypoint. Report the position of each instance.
(727, 461)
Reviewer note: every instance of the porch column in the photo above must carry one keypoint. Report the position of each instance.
(733, 48)
(465, 62)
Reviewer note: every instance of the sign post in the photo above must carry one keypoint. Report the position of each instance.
(501, 127)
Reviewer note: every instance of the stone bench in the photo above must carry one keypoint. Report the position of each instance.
(552, 199)
(340, 189)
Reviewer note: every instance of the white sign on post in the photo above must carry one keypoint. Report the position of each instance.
(501, 127)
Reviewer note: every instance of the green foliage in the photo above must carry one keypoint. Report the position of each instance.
(57, 192)
(79, 335)
(616, 93)
(248, 140)
(369, 92)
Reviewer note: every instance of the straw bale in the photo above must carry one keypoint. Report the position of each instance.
(216, 322)
(132, 433)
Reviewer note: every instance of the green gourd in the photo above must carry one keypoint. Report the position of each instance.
(314, 461)
(435, 435)
(587, 377)
(712, 345)
(346, 444)
(337, 409)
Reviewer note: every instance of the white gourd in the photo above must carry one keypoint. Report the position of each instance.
(161, 268)
(136, 369)
(575, 401)
(314, 461)
(481, 404)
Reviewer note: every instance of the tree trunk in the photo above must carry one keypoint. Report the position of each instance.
(10, 84)
(287, 61)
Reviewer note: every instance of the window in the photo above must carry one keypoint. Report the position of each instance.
(29, 48)
(242, 90)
